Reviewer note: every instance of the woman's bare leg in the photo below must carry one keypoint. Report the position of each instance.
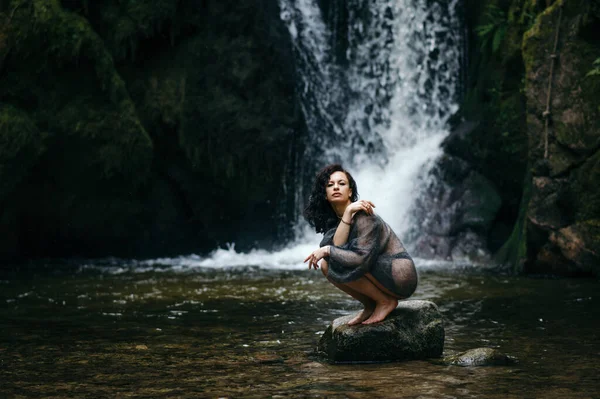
(381, 287)
(384, 303)
(368, 303)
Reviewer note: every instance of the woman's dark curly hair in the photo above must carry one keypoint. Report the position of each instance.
(319, 212)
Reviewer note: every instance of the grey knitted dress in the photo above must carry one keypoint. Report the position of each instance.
(372, 247)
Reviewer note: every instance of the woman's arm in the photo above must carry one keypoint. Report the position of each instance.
(343, 229)
(362, 250)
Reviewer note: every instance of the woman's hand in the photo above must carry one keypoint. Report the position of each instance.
(314, 258)
(362, 205)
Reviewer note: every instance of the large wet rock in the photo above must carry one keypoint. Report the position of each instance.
(454, 212)
(414, 330)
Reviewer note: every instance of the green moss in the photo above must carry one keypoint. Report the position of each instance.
(521, 16)
(536, 46)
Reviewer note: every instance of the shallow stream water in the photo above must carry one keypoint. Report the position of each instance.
(70, 330)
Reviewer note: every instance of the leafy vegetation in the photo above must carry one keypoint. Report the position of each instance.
(493, 30)
(596, 70)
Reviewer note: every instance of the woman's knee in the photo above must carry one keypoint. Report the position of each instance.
(324, 268)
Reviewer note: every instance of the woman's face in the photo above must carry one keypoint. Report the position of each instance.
(338, 188)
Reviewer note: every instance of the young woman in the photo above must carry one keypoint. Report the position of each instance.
(359, 253)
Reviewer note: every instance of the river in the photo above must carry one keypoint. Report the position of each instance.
(171, 328)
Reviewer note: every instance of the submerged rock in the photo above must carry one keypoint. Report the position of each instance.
(480, 357)
(267, 358)
(414, 330)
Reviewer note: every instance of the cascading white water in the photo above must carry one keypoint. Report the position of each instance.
(392, 98)
(382, 112)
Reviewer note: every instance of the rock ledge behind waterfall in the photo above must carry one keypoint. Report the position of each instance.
(414, 330)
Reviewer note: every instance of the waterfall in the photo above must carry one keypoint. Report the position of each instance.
(381, 108)
(377, 82)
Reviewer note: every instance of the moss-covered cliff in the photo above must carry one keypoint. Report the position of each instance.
(142, 127)
(563, 121)
(539, 127)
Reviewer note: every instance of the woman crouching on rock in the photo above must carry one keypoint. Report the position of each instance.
(359, 253)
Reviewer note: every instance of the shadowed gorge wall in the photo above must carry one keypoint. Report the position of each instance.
(549, 197)
(563, 213)
(142, 127)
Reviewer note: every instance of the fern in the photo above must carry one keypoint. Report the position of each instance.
(493, 31)
(596, 70)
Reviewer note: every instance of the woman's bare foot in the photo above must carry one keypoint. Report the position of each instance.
(362, 316)
(381, 311)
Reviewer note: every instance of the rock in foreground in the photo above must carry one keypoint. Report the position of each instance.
(414, 330)
(480, 357)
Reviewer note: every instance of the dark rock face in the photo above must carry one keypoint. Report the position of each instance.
(413, 331)
(480, 357)
(537, 136)
(562, 218)
(454, 212)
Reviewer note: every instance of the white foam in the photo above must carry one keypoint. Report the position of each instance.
(288, 258)
(392, 188)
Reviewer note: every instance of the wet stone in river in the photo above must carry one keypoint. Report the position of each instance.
(414, 330)
(480, 357)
